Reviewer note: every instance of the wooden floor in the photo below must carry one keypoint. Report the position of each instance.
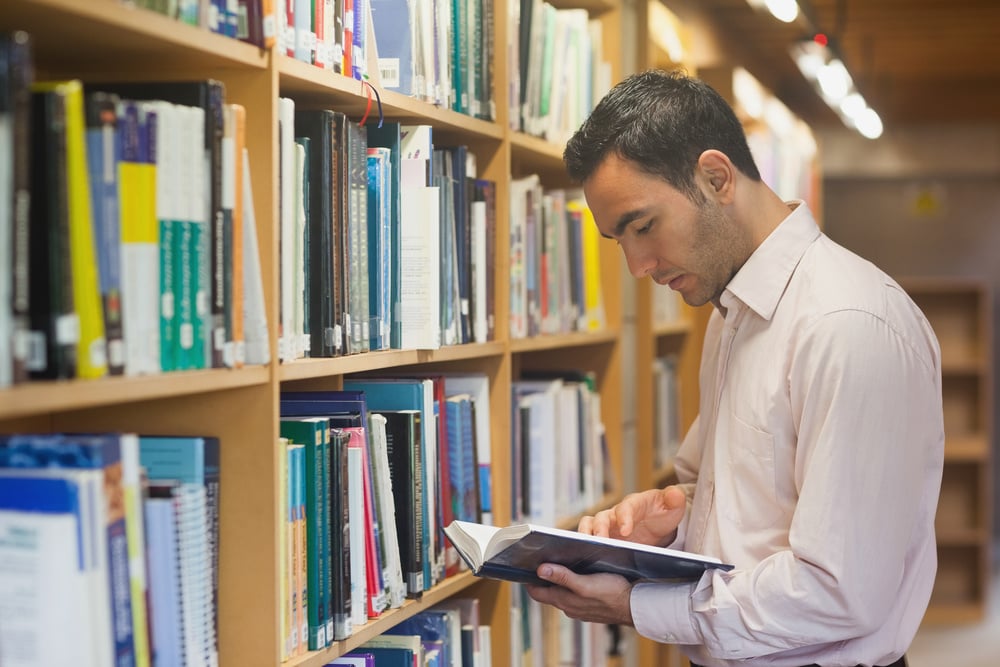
(963, 646)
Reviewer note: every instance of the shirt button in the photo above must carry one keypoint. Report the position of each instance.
(669, 638)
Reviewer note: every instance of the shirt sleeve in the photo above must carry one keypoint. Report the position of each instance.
(866, 402)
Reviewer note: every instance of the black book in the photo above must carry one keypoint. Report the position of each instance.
(325, 339)
(16, 74)
(53, 334)
(340, 536)
(404, 447)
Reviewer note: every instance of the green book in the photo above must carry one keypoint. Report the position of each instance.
(313, 434)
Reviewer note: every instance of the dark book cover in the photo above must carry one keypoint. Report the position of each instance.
(53, 334)
(340, 535)
(340, 193)
(515, 552)
(405, 453)
(318, 127)
(16, 75)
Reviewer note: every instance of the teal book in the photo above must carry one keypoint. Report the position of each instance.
(313, 434)
(388, 136)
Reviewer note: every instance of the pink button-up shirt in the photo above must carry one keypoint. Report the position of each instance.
(814, 466)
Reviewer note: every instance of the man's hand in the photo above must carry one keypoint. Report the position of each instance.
(650, 517)
(598, 598)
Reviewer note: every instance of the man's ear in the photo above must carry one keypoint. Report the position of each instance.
(718, 175)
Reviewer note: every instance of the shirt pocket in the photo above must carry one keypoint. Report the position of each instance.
(749, 499)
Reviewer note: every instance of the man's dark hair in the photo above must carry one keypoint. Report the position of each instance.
(662, 121)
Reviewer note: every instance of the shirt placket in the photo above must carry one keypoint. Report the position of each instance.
(704, 500)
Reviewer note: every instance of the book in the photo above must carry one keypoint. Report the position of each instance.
(102, 160)
(209, 95)
(16, 72)
(48, 575)
(514, 553)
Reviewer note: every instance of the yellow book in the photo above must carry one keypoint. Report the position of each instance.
(91, 345)
(136, 541)
(140, 235)
(593, 301)
(284, 549)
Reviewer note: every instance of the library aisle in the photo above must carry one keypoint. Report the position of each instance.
(974, 645)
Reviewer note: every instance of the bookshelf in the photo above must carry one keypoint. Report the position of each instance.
(107, 40)
(960, 311)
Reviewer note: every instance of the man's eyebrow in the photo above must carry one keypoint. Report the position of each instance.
(624, 221)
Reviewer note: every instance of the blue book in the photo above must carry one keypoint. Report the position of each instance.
(164, 582)
(102, 166)
(98, 453)
(191, 460)
(388, 136)
(434, 627)
(393, 21)
(379, 259)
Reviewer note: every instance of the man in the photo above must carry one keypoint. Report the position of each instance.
(815, 463)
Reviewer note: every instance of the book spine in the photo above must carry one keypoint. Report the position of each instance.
(20, 70)
(102, 158)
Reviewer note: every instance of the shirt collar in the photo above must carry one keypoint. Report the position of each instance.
(761, 281)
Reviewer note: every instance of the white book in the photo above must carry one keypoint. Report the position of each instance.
(299, 340)
(140, 255)
(420, 267)
(480, 323)
(258, 346)
(49, 577)
(385, 507)
(356, 511)
(286, 156)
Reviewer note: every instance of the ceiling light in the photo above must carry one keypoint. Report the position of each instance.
(821, 67)
(783, 10)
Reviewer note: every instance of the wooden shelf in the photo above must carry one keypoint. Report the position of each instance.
(561, 341)
(677, 328)
(43, 397)
(966, 448)
(114, 38)
(375, 627)
(302, 369)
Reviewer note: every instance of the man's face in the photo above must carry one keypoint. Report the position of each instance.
(695, 249)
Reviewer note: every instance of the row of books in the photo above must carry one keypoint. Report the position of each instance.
(666, 408)
(555, 262)
(449, 634)
(440, 51)
(330, 34)
(128, 240)
(250, 21)
(550, 483)
(371, 474)
(111, 540)
(386, 239)
(557, 72)
(542, 635)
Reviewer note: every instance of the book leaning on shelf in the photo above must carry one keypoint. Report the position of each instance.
(515, 552)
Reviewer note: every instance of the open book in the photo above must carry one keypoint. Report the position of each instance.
(515, 552)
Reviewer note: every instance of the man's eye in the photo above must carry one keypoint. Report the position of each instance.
(645, 228)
